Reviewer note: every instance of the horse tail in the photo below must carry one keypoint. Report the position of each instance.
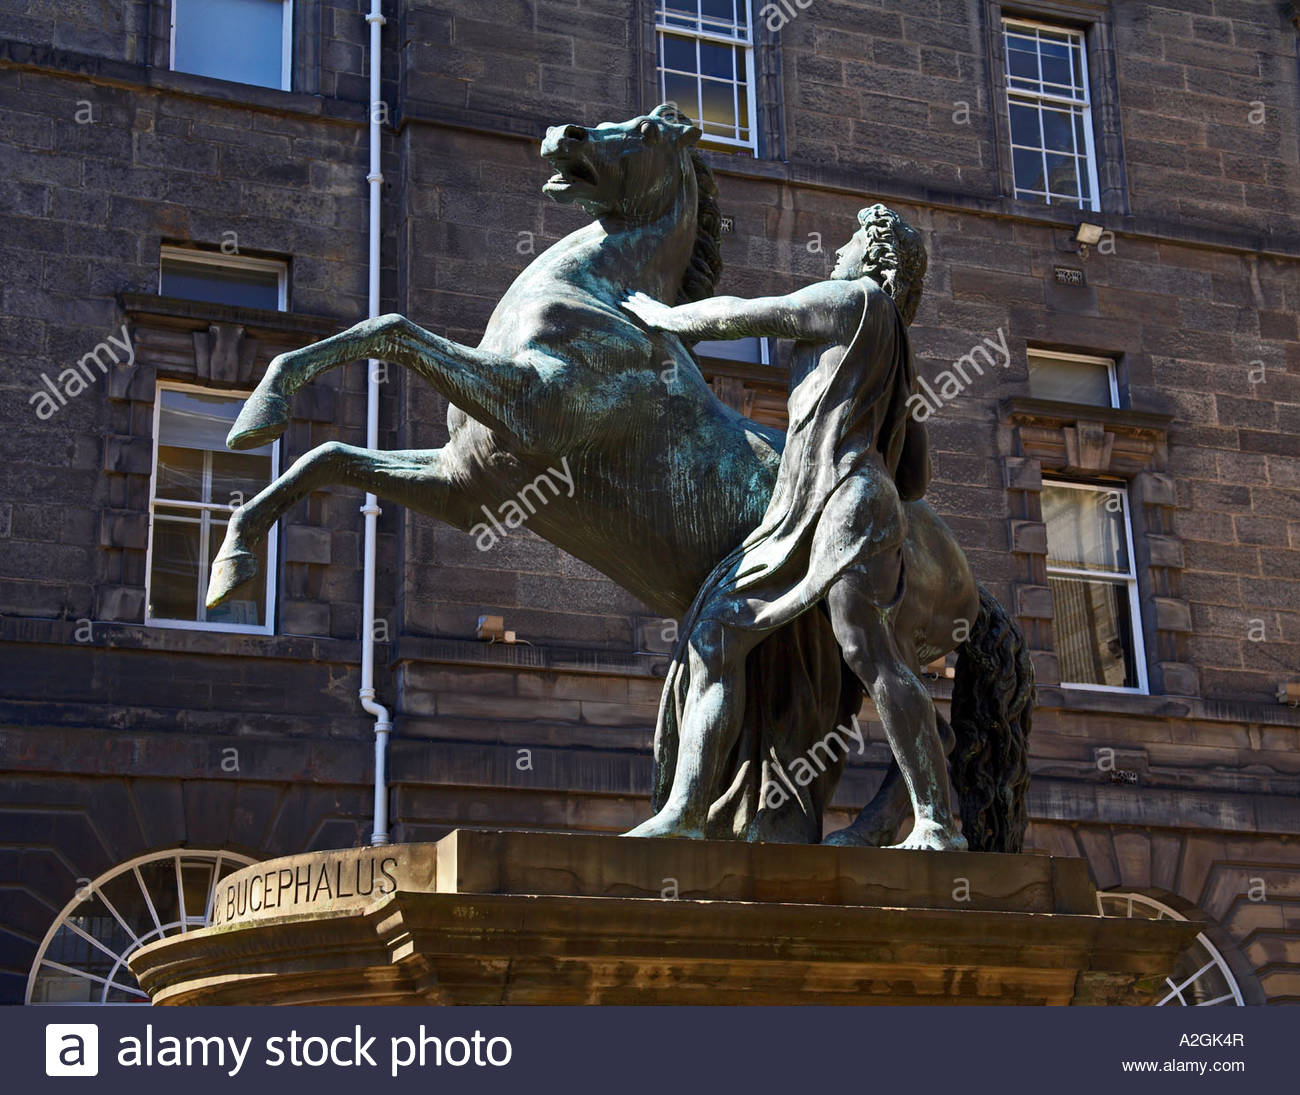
(992, 702)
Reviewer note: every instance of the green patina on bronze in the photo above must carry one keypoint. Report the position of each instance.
(667, 479)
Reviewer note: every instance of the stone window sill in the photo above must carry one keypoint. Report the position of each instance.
(195, 315)
(1028, 411)
(225, 644)
(1058, 697)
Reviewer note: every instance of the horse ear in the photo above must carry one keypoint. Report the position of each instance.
(682, 128)
(689, 135)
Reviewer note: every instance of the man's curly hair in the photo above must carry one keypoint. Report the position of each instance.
(896, 257)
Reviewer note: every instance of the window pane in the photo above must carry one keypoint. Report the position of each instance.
(1061, 176)
(238, 476)
(1058, 131)
(1094, 633)
(718, 14)
(684, 91)
(1029, 170)
(1022, 57)
(1056, 67)
(678, 13)
(1069, 381)
(678, 53)
(248, 609)
(1024, 126)
(736, 349)
(1085, 529)
(197, 878)
(180, 474)
(159, 878)
(196, 420)
(239, 40)
(719, 112)
(233, 285)
(174, 574)
(717, 60)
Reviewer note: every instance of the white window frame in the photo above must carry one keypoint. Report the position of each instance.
(1126, 901)
(1090, 143)
(205, 564)
(1085, 359)
(145, 933)
(286, 51)
(1128, 580)
(745, 43)
(229, 262)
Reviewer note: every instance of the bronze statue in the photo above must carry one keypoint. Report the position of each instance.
(834, 528)
(667, 480)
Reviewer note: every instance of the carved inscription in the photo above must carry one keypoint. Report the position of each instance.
(303, 885)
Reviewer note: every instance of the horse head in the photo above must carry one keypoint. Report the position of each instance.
(634, 170)
(637, 172)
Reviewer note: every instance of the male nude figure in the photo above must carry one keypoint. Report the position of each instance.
(835, 526)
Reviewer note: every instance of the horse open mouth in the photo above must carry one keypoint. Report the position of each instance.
(569, 172)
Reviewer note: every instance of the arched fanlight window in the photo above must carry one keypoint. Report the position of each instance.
(82, 959)
(1202, 977)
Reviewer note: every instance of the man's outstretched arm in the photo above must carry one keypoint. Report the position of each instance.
(819, 312)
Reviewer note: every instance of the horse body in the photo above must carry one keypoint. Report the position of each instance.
(667, 479)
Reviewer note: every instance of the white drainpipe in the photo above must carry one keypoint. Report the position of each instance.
(383, 722)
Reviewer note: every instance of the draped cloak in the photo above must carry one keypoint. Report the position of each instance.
(852, 453)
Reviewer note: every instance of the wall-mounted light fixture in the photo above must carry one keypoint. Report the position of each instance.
(492, 629)
(1088, 235)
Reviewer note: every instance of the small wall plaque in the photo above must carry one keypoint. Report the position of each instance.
(728, 224)
(1068, 276)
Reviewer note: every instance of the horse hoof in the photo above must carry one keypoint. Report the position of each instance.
(860, 837)
(263, 418)
(229, 572)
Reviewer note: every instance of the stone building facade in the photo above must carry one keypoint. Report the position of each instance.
(123, 742)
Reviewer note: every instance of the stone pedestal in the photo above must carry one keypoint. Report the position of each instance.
(548, 918)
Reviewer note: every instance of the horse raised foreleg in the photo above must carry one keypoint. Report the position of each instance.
(487, 386)
(413, 478)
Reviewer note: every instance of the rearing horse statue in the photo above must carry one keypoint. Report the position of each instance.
(667, 478)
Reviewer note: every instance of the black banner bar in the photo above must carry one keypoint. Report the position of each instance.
(631, 1050)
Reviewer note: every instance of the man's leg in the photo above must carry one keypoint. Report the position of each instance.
(861, 625)
(711, 718)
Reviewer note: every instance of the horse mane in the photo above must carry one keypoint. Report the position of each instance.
(705, 267)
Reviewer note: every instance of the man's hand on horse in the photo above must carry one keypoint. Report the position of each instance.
(656, 316)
